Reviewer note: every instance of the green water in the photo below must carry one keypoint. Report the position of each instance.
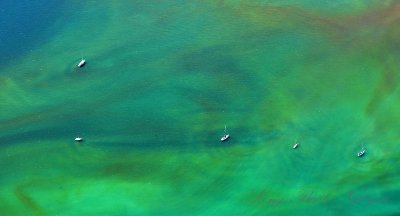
(164, 77)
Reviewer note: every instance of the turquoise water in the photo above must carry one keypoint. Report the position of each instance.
(161, 81)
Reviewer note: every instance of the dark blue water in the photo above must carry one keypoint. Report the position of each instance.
(24, 24)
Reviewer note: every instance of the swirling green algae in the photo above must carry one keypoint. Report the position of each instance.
(159, 87)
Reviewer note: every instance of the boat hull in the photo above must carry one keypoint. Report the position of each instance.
(224, 138)
(82, 63)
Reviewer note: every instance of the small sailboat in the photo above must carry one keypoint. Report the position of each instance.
(225, 136)
(79, 139)
(82, 63)
(296, 144)
(361, 153)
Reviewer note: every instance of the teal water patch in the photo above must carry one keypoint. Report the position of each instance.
(24, 25)
(162, 80)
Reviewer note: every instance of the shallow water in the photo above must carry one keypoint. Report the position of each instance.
(161, 81)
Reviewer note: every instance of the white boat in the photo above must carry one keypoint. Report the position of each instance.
(82, 63)
(361, 153)
(225, 136)
(78, 139)
(296, 144)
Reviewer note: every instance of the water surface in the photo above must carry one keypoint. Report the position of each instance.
(161, 81)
